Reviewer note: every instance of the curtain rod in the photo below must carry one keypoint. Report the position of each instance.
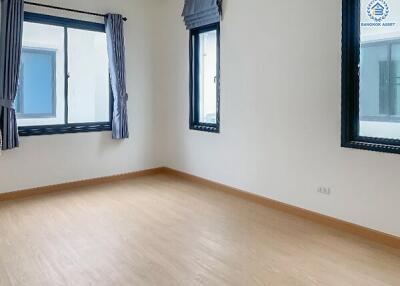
(67, 9)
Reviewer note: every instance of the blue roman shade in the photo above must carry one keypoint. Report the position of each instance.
(197, 13)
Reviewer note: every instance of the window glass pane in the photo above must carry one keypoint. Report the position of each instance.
(380, 69)
(373, 81)
(208, 77)
(88, 90)
(37, 87)
(40, 97)
(395, 78)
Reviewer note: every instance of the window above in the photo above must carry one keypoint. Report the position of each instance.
(204, 95)
(64, 81)
(371, 75)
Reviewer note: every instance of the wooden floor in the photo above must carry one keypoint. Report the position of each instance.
(161, 230)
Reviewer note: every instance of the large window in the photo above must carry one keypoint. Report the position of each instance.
(371, 75)
(204, 96)
(64, 81)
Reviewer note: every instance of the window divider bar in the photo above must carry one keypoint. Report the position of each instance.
(66, 75)
(196, 111)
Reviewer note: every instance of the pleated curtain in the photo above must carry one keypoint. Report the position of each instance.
(12, 18)
(116, 55)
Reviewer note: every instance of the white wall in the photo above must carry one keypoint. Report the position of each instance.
(280, 113)
(56, 159)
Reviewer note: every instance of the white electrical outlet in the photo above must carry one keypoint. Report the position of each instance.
(324, 190)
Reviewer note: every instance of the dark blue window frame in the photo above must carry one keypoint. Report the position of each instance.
(194, 122)
(67, 127)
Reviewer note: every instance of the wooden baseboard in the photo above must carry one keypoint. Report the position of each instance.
(78, 184)
(373, 235)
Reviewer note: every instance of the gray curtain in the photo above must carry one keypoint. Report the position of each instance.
(116, 55)
(199, 13)
(12, 19)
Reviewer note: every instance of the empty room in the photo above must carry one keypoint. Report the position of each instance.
(200, 142)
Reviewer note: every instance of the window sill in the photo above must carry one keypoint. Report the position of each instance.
(376, 147)
(205, 128)
(63, 129)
